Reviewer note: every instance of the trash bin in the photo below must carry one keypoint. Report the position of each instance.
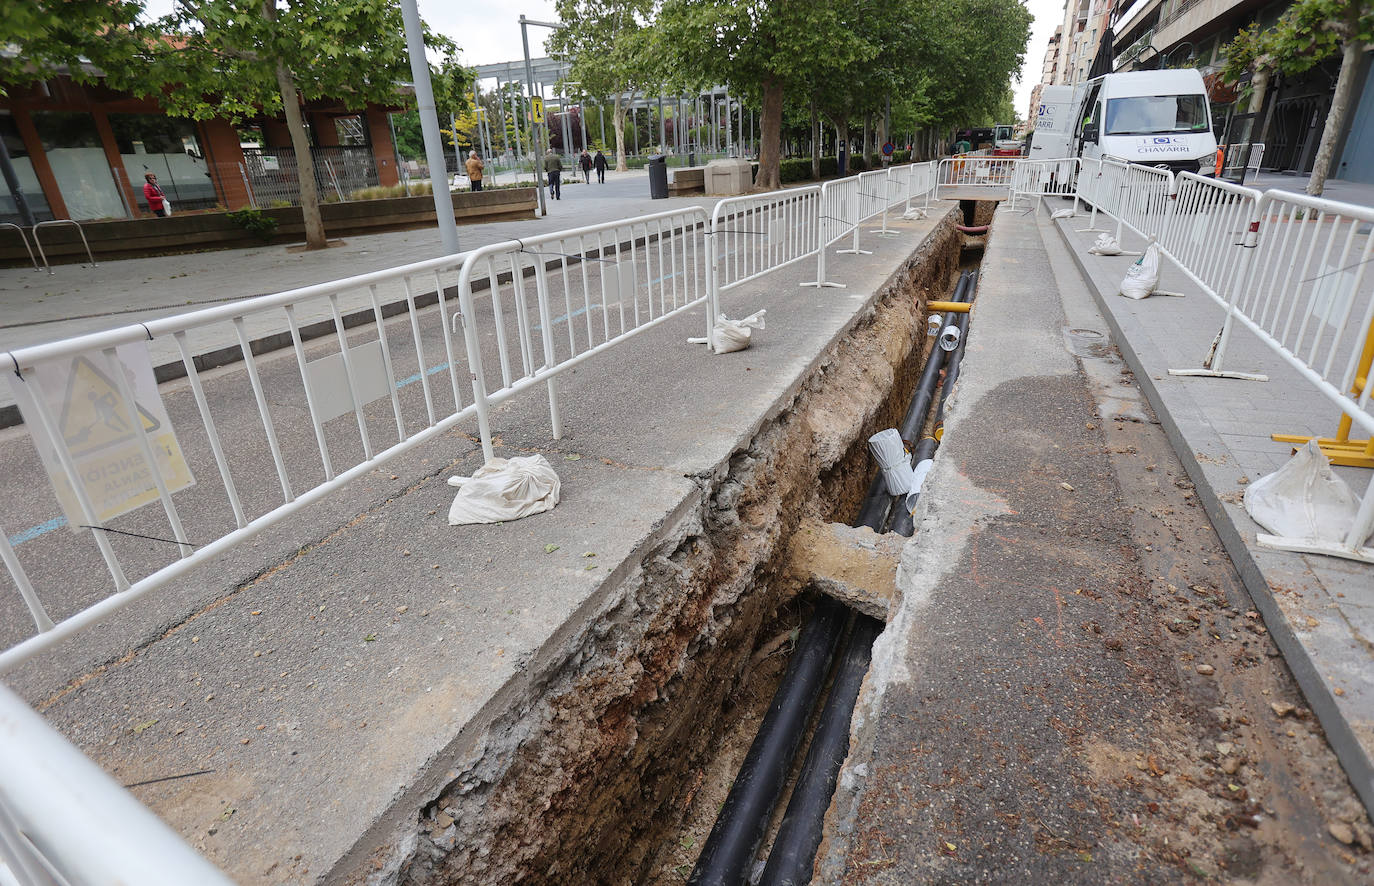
(658, 177)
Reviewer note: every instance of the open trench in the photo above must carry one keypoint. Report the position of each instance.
(613, 765)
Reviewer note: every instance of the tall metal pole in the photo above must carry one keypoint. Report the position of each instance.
(601, 118)
(429, 125)
(729, 127)
(536, 143)
(662, 128)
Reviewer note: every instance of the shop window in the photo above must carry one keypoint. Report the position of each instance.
(28, 180)
(168, 148)
(73, 150)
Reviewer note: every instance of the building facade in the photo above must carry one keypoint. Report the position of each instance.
(80, 151)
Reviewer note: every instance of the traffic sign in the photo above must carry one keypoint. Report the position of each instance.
(537, 108)
(889, 148)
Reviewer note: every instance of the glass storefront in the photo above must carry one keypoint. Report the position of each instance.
(28, 181)
(78, 162)
(167, 147)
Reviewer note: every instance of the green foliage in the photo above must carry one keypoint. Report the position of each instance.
(794, 170)
(64, 34)
(1308, 32)
(255, 222)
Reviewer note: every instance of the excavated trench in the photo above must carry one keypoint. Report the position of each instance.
(612, 766)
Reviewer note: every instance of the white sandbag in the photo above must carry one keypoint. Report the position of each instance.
(1062, 213)
(1106, 244)
(1303, 499)
(733, 335)
(892, 458)
(1143, 275)
(918, 479)
(504, 489)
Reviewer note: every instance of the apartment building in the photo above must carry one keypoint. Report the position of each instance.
(1049, 70)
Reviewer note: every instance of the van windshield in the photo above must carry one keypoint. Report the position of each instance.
(1153, 114)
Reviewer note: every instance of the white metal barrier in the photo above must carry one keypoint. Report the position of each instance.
(64, 821)
(334, 395)
(609, 281)
(974, 177)
(754, 235)
(1038, 179)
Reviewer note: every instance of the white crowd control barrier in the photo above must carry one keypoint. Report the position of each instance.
(1037, 179)
(754, 235)
(1143, 197)
(974, 178)
(558, 299)
(64, 821)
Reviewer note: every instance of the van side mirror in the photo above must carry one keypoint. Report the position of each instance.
(1090, 132)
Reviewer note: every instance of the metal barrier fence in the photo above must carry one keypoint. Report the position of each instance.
(609, 281)
(975, 177)
(64, 821)
(1044, 178)
(752, 236)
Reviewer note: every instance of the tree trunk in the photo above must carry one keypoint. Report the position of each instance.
(815, 142)
(1335, 118)
(1261, 86)
(770, 138)
(300, 145)
(618, 121)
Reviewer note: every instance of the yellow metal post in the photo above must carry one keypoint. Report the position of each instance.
(1340, 449)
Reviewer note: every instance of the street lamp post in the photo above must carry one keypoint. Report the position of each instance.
(429, 125)
(540, 145)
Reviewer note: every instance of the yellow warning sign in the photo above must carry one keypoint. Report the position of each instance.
(98, 431)
(93, 413)
(537, 108)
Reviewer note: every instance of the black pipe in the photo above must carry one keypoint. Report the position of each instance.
(873, 513)
(902, 524)
(794, 850)
(915, 417)
(956, 357)
(729, 850)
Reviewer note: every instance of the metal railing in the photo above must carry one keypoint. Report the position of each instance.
(1044, 178)
(605, 283)
(64, 821)
(24, 237)
(975, 177)
(755, 235)
(53, 223)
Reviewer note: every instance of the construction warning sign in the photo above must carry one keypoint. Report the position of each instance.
(100, 430)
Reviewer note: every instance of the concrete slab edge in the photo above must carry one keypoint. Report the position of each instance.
(1131, 339)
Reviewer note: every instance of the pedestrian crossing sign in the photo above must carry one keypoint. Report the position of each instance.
(537, 109)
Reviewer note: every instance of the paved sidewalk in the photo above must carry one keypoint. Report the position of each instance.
(1319, 609)
(36, 307)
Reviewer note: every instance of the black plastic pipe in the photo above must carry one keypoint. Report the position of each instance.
(794, 850)
(729, 850)
(873, 512)
(956, 357)
(915, 417)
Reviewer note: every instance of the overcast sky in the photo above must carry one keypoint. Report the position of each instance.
(489, 32)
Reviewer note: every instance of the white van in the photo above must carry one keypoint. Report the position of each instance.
(1156, 118)
(1053, 124)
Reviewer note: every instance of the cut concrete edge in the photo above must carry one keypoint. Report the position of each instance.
(1132, 340)
(387, 841)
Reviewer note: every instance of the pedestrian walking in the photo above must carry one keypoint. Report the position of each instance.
(553, 166)
(599, 161)
(475, 167)
(157, 201)
(585, 164)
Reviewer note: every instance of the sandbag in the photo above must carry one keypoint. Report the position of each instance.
(504, 489)
(1062, 213)
(1143, 275)
(1105, 244)
(1303, 499)
(733, 335)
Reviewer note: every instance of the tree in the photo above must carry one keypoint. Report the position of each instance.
(1309, 32)
(608, 49)
(236, 58)
(759, 48)
(72, 36)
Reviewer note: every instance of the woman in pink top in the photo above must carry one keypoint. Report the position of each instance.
(153, 194)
